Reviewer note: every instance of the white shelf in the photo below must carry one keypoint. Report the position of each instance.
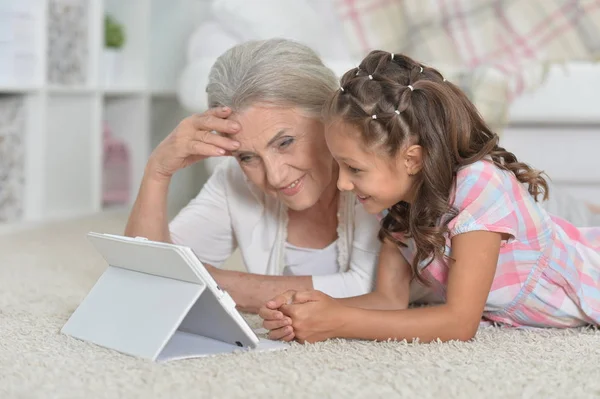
(124, 91)
(57, 89)
(8, 89)
(63, 128)
(68, 188)
(166, 93)
(108, 91)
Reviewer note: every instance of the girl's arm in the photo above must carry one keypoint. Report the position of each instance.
(391, 292)
(317, 317)
(469, 283)
(392, 284)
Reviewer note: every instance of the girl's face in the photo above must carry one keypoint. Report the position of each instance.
(378, 180)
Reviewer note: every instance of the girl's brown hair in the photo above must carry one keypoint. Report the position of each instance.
(414, 104)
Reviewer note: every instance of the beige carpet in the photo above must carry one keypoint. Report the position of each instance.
(46, 272)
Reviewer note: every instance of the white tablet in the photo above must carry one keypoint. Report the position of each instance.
(157, 300)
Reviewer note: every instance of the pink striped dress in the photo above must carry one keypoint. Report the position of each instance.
(548, 272)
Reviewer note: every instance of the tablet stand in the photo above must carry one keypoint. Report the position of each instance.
(161, 313)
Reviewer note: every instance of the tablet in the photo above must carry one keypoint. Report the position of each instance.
(156, 298)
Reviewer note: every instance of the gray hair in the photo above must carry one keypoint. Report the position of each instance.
(276, 71)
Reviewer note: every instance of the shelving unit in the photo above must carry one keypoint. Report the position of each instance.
(60, 81)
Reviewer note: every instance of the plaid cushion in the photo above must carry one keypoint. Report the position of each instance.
(495, 50)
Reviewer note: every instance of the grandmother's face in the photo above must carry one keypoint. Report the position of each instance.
(283, 152)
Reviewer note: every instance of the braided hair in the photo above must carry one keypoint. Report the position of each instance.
(394, 102)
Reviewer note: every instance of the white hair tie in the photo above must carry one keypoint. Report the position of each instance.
(341, 88)
(371, 77)
(392, 55)
(397, 112)
(411, 88)
(374, 116)
(421, 69)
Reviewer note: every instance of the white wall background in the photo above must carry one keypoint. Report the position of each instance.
(557, 129)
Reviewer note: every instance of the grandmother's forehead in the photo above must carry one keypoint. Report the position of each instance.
(262, 124)
(256, 132)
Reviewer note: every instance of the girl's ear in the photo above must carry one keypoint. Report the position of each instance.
(413, 159)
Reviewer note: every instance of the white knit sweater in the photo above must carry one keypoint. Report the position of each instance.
(230, 212)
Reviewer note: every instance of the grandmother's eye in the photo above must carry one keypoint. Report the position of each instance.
(286, 143)
(245, 158)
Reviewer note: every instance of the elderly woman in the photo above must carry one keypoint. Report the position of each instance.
(275, 198)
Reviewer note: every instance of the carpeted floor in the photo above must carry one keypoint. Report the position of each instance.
(46, 272)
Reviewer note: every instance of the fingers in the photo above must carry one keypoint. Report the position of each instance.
(280, 300)
(270, 314)
(216, 121)
(288, 338)
(216, 140)
(281, 333)
(201, 149)
(281, 303)
(307, 296)
(203, 139)
(221, 112)
(291, 311)
(275, 324)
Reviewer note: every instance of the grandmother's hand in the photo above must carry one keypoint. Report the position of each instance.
(193, 140)
(279, 326)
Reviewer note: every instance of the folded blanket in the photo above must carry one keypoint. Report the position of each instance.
(495, 49)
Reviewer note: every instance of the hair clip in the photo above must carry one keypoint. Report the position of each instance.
(392, 56)
(411, 88)
(374, 116)
(397, 112)
(342, 89)
(371, 77)
(421, 69)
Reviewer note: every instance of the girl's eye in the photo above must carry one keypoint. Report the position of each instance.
(353, 170)
(286, 143)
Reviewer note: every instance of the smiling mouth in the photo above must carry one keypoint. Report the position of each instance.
(293, 188)
(294, 184)
(363, 198)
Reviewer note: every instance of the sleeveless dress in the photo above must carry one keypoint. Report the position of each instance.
(548, 272)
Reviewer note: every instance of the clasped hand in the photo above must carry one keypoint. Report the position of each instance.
(308, 316)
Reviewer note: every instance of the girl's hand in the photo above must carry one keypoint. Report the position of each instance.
(193, 140)
(315, 316)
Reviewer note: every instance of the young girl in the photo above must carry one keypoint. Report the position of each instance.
(458, 213)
